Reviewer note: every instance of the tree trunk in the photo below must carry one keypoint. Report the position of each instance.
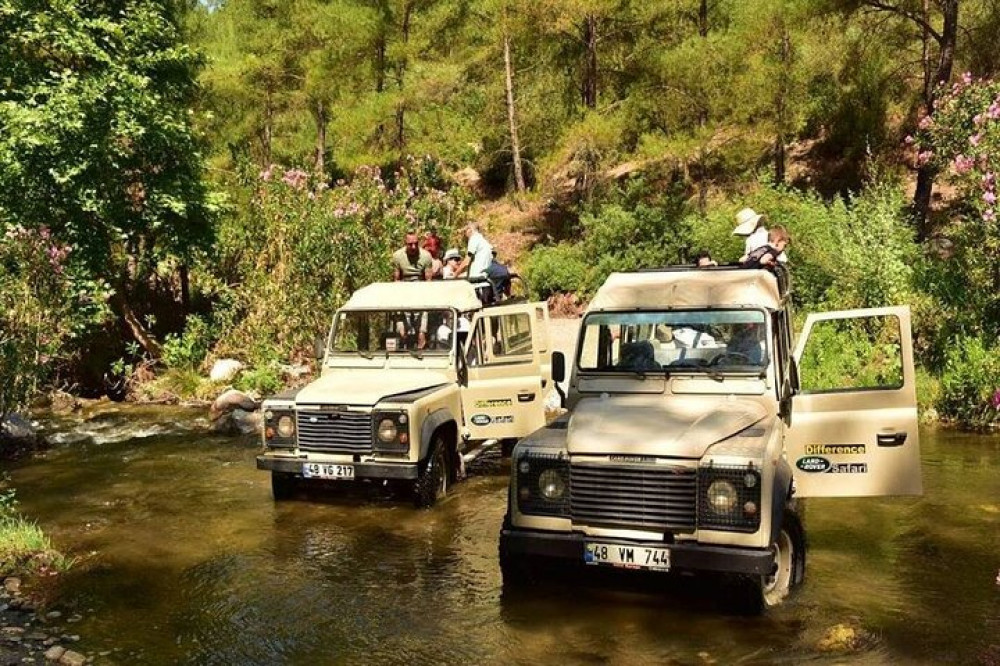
(942, 74)
(321, 120)
(515, 144)
(703, 18)
(400, 71)
(185, 278)
(590, 63)
(781, 108)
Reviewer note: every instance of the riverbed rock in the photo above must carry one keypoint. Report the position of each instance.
(12, 584)
(55, 653)
(230, 400)
(239, 422)
(225, 369)
(61, 402)
(70, 658)
(842, 638)
(17, 430)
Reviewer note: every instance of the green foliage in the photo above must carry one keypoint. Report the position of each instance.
(24, 548)
(264, 379)
(851, 355)
(561, 268)
(299, 249)
(188, 350)
(970, 383)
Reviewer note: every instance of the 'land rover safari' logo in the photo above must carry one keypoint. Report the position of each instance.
(813, 464)
(480, 419)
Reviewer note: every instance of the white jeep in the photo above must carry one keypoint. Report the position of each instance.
(415, 375)
(693, 426)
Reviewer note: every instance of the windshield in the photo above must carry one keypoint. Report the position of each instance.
(689, 340)
(368, 333)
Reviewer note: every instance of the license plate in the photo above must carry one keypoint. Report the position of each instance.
(629, 557)
(322, 471)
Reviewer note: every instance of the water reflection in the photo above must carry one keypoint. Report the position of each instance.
(193, 563)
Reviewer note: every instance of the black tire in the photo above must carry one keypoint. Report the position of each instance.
(434, 480)
(764, 592)
(507, 447)
(282, 486)
(516, 571)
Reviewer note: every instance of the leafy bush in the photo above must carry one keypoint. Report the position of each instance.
(264, 380)
(970, 383)
(557, 269)
(298, 249)
(24, 547)
(188, 350)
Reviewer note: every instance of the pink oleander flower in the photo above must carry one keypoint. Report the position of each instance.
(267, 173)
(295, 178)
(963, 164)
(967, 78)
(996, 405)
(993, 112)
(990, 197)
(923, 157)
(974, 139)
(977, 119)
(989, 215)
(908, 140)
(925, 122)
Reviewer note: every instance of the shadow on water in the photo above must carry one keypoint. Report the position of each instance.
(187, 559)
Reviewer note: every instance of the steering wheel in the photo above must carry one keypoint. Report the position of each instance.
(737, 356)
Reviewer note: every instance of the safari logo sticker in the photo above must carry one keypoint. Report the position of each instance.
(813, 464)
(481, 419)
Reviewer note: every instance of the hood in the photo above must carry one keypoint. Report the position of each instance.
(681, 426)
(367, 387)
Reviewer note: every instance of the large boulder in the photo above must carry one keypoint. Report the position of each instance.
(225, 369)
(236, 413)
(230, 400)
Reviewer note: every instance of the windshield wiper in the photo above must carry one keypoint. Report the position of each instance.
(368, 355)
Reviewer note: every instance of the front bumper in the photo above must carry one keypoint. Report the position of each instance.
(362, 470)
(683, 556)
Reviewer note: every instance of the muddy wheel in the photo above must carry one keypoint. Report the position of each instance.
(515, 571)
(434, 479)
(282, 485)
(763, 592)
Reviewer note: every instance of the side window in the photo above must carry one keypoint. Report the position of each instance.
(863, 353)
(501, 339)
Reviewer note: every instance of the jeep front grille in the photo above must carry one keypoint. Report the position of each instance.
(647, 497)
(335, 431)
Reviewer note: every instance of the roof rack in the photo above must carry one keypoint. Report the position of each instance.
(780, 272)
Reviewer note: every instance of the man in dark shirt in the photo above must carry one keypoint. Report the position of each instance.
(766, 256)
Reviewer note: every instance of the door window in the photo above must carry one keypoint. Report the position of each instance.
(851, 355)
(500, 339)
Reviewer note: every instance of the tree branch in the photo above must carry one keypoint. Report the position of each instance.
(916, 18)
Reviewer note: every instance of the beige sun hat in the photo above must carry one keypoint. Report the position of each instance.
(452, 253)
(746, 222)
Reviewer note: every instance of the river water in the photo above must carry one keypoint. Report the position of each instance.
(185, 559)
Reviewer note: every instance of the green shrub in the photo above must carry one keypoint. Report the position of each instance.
(188, 350)
(264, 380)
(557, 269)
(970, 383)
(24, 548)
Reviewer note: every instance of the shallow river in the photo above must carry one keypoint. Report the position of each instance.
(186, 559)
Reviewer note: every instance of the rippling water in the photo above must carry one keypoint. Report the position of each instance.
(187, 560)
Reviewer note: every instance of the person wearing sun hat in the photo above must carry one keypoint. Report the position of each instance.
(750, 223)
(452, 258)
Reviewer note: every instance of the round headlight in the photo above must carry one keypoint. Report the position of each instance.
(722, 496)
(286, 426)
(551, 484)
(387, 430)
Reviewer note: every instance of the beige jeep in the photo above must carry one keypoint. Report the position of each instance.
(416, 377)
(693, 426)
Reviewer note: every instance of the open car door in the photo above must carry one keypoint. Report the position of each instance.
(505, 393)
(853, 429)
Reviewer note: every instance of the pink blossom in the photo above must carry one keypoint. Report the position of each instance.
(267, 173)
(977, 119)
(988, 180)
(967, 78)
(996, 400)
(925, 122)
(963, 164)
(989, 197)
(989, 215)
(974, 140)
(908, 140)
(295, 178)
(994, 111)
(924, 156)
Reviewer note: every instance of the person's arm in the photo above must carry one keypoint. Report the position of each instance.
(462, 267)
(397, 274)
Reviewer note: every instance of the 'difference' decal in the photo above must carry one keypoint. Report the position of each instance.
(835, 449)
(493, 403)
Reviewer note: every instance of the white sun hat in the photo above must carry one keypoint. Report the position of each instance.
(746, 221)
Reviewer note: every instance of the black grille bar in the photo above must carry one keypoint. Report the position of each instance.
(335, 431)
(658, 497)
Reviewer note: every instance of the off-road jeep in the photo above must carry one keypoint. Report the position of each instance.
(415, 375)
(693, 428)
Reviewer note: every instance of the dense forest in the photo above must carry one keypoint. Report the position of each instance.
(182, 181)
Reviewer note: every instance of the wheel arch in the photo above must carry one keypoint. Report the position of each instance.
(780, 497)
(439, 422)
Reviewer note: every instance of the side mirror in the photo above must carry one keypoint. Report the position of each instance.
(558, 366)
(319, 348)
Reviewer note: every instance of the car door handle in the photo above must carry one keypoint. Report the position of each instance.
(890, 438)
(525, 397)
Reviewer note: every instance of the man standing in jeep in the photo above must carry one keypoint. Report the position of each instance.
(411, 262)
